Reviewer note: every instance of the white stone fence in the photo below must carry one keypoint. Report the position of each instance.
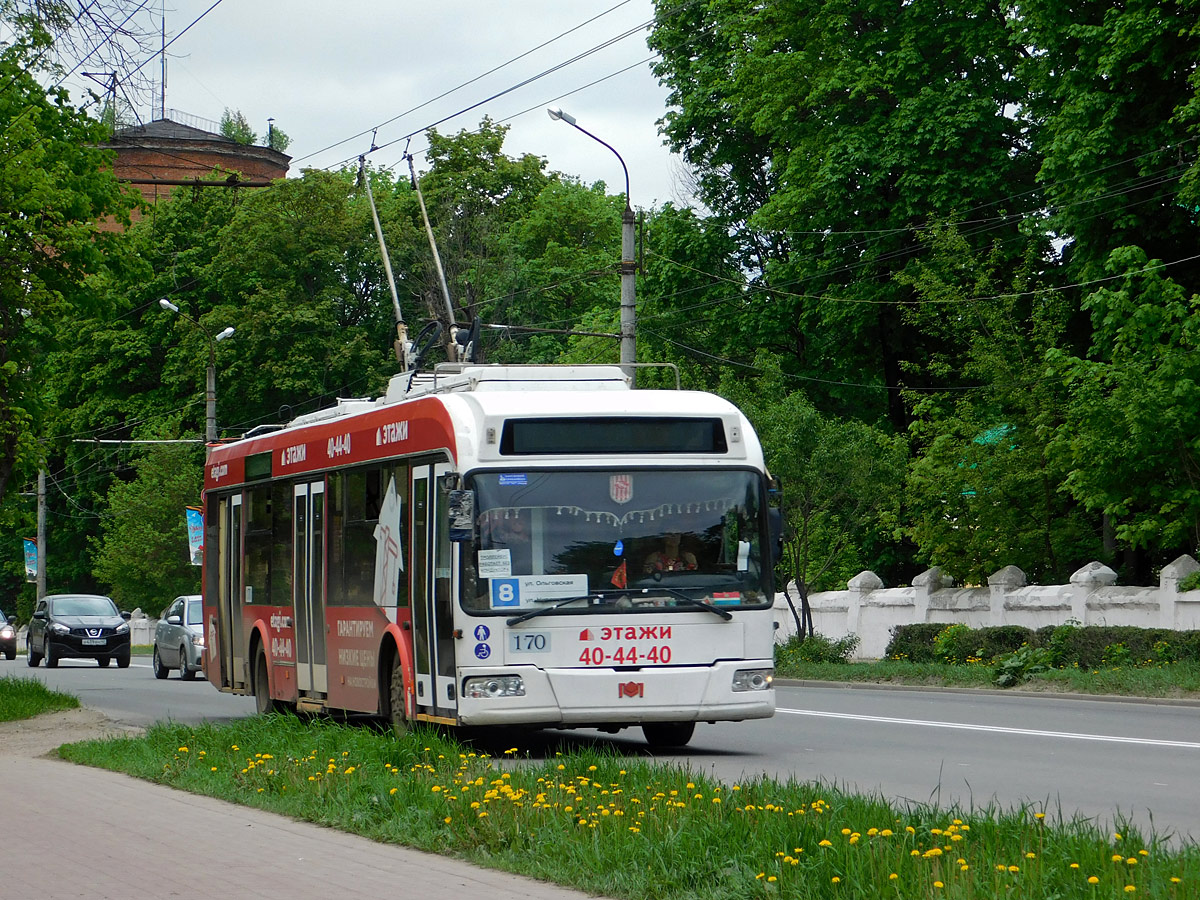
(868, 609)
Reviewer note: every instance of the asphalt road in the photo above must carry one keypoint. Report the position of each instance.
(1099, 759)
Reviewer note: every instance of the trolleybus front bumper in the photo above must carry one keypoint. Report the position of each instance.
(725, 691)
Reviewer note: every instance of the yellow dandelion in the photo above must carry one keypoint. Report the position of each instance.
(835, 879)
(772, 878)
(392, 791)
(825, 843)
(893, 877)
(938, 885)
(1129, 888)
(1131, 861)
(1031, 856)
(1143, 853)
(760, 876)
(1074, 865)
(1013, 870)
(446, 820)
(183, 749)
(1092, 879)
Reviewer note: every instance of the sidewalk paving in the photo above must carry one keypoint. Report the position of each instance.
(69, 831)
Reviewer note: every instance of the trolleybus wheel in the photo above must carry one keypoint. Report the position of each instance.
(263, 703)
(396, 704)
(668, 734)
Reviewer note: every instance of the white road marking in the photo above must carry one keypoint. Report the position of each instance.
(998, 729)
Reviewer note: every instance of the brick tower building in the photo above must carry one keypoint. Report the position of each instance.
(164, 154)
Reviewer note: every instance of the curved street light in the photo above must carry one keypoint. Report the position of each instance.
(210, 386)
(628, 264)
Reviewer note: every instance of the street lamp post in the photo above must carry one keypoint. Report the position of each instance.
(210, 382)
(628, 264)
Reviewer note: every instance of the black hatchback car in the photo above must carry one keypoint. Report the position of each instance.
(78, 626)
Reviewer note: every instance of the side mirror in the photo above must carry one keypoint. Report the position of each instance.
(461, 506)
(174, 620)
(40, 614)
(126, 615)
(775, 524)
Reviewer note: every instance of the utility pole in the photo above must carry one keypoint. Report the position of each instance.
(628, 262)
(41, 534)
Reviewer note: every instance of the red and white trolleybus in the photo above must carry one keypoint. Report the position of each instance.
(497, 545)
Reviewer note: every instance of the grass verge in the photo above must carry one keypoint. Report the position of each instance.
(634, 828)
(1177, 680)
(24, 698)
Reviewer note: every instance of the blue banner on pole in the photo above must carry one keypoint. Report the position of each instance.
(31, 559)
(195, 527)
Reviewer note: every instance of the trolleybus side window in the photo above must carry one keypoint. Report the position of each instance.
(259, 541)
(281, 555)
(356, 499)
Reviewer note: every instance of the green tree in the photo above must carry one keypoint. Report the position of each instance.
(278, 139)
(142, 552)
(827, 142)
(1132, 434)
(54, 188)
(842, 482)
(235, 127)
(984, 489)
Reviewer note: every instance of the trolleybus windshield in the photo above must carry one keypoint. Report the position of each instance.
(616, 539)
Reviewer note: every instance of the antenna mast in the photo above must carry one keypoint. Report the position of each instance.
(162, 107)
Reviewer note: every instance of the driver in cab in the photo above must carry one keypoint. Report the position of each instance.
(671, 558)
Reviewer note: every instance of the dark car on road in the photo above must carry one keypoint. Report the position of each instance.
(78, 626)
(8, 638)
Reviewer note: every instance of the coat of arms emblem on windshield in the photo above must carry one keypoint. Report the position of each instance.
(620, 488)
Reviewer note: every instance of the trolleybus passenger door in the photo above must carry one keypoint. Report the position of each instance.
(432, 591)
(230, 627)
(309, 586)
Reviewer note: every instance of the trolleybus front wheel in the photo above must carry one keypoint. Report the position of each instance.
(396, 704)
(263, 703)
(668, 734)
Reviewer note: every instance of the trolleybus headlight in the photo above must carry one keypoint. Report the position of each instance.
(753, 679)
(494, 686)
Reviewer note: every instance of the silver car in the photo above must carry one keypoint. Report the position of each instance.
(179, 638)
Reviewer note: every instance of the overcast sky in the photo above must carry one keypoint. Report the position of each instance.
(327, 72)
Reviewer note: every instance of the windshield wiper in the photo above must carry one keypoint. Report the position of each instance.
(534, 613)
(694, 603)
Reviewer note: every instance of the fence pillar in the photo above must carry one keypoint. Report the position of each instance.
(927, 584)
(1083, 582)
(999, 584)
(860, 584)
(1168, 588)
